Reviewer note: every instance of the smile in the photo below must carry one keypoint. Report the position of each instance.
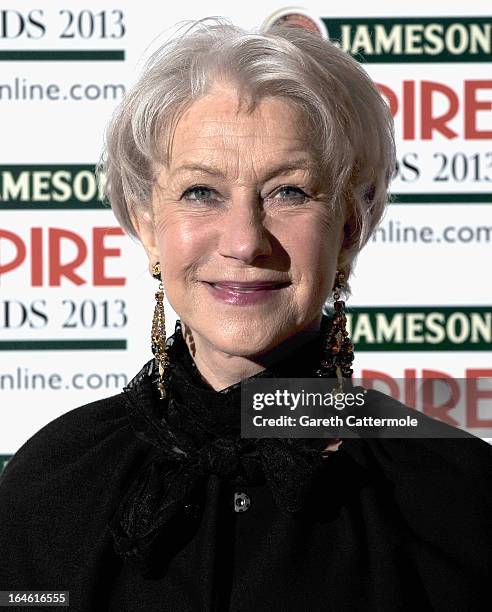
(245, 295)
(248, 289)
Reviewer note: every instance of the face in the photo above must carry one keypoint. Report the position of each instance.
(241, 202)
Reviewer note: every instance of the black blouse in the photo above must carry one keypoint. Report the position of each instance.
(131, 503)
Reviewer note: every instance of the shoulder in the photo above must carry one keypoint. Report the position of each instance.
(59, 489)
(431, 446)
(441, 486)
(87, 441)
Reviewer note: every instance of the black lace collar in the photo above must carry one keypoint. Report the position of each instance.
(219, 411)
(195, 432)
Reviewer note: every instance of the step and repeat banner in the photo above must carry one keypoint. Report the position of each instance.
(76, 297)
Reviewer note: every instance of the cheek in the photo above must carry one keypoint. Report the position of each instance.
(313, 243)
(182, 243)
(314, 250)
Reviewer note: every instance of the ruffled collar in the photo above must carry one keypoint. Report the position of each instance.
(194, 433)
(199, 410)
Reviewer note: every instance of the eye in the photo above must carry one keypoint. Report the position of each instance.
(201, 193)
(291, 193)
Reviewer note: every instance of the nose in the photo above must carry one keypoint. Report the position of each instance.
(243, 232)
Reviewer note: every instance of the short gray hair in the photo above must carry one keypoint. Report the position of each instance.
(352, 127)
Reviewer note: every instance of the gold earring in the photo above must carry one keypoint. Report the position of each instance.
(343, 347)
(338, 351)
(158, 335)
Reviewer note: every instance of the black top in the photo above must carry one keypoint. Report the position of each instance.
(128, 504)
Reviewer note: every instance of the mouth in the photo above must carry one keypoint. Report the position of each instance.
(248, 288)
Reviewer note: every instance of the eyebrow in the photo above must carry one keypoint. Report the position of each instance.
(283, 168)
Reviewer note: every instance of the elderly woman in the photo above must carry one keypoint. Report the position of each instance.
(252, 167)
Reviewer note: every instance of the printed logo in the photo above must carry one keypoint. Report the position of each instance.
(297, 17)
(49, 186)
(418, 328)
(403, 39)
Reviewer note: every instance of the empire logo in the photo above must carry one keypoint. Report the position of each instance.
(406, 39)
(461, 402)
(29, 252)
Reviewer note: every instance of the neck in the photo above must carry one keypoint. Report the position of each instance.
(221, 370)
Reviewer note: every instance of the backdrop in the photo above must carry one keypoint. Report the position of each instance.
(76, 298)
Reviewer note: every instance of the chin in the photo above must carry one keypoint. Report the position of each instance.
(248, 335)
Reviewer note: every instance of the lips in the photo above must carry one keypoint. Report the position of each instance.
(247, 287)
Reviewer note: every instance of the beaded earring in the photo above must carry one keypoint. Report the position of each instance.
(338, 351)
(158, 335)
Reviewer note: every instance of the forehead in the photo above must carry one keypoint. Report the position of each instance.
(217, 121)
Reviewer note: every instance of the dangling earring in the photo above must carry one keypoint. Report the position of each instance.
(338, 353)
(159, 331)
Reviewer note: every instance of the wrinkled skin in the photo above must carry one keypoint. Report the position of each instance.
(246, 223)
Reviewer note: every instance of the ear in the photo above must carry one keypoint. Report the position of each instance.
(144, 227)
(346, 231)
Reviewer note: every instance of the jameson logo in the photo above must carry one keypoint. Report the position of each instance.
(429, 39)
(416, 328)
(48, 187)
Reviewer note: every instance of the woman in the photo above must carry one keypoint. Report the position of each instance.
(252, 167)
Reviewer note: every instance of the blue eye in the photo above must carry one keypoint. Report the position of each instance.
(201, 193)
(197, 189)
(296, 193)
